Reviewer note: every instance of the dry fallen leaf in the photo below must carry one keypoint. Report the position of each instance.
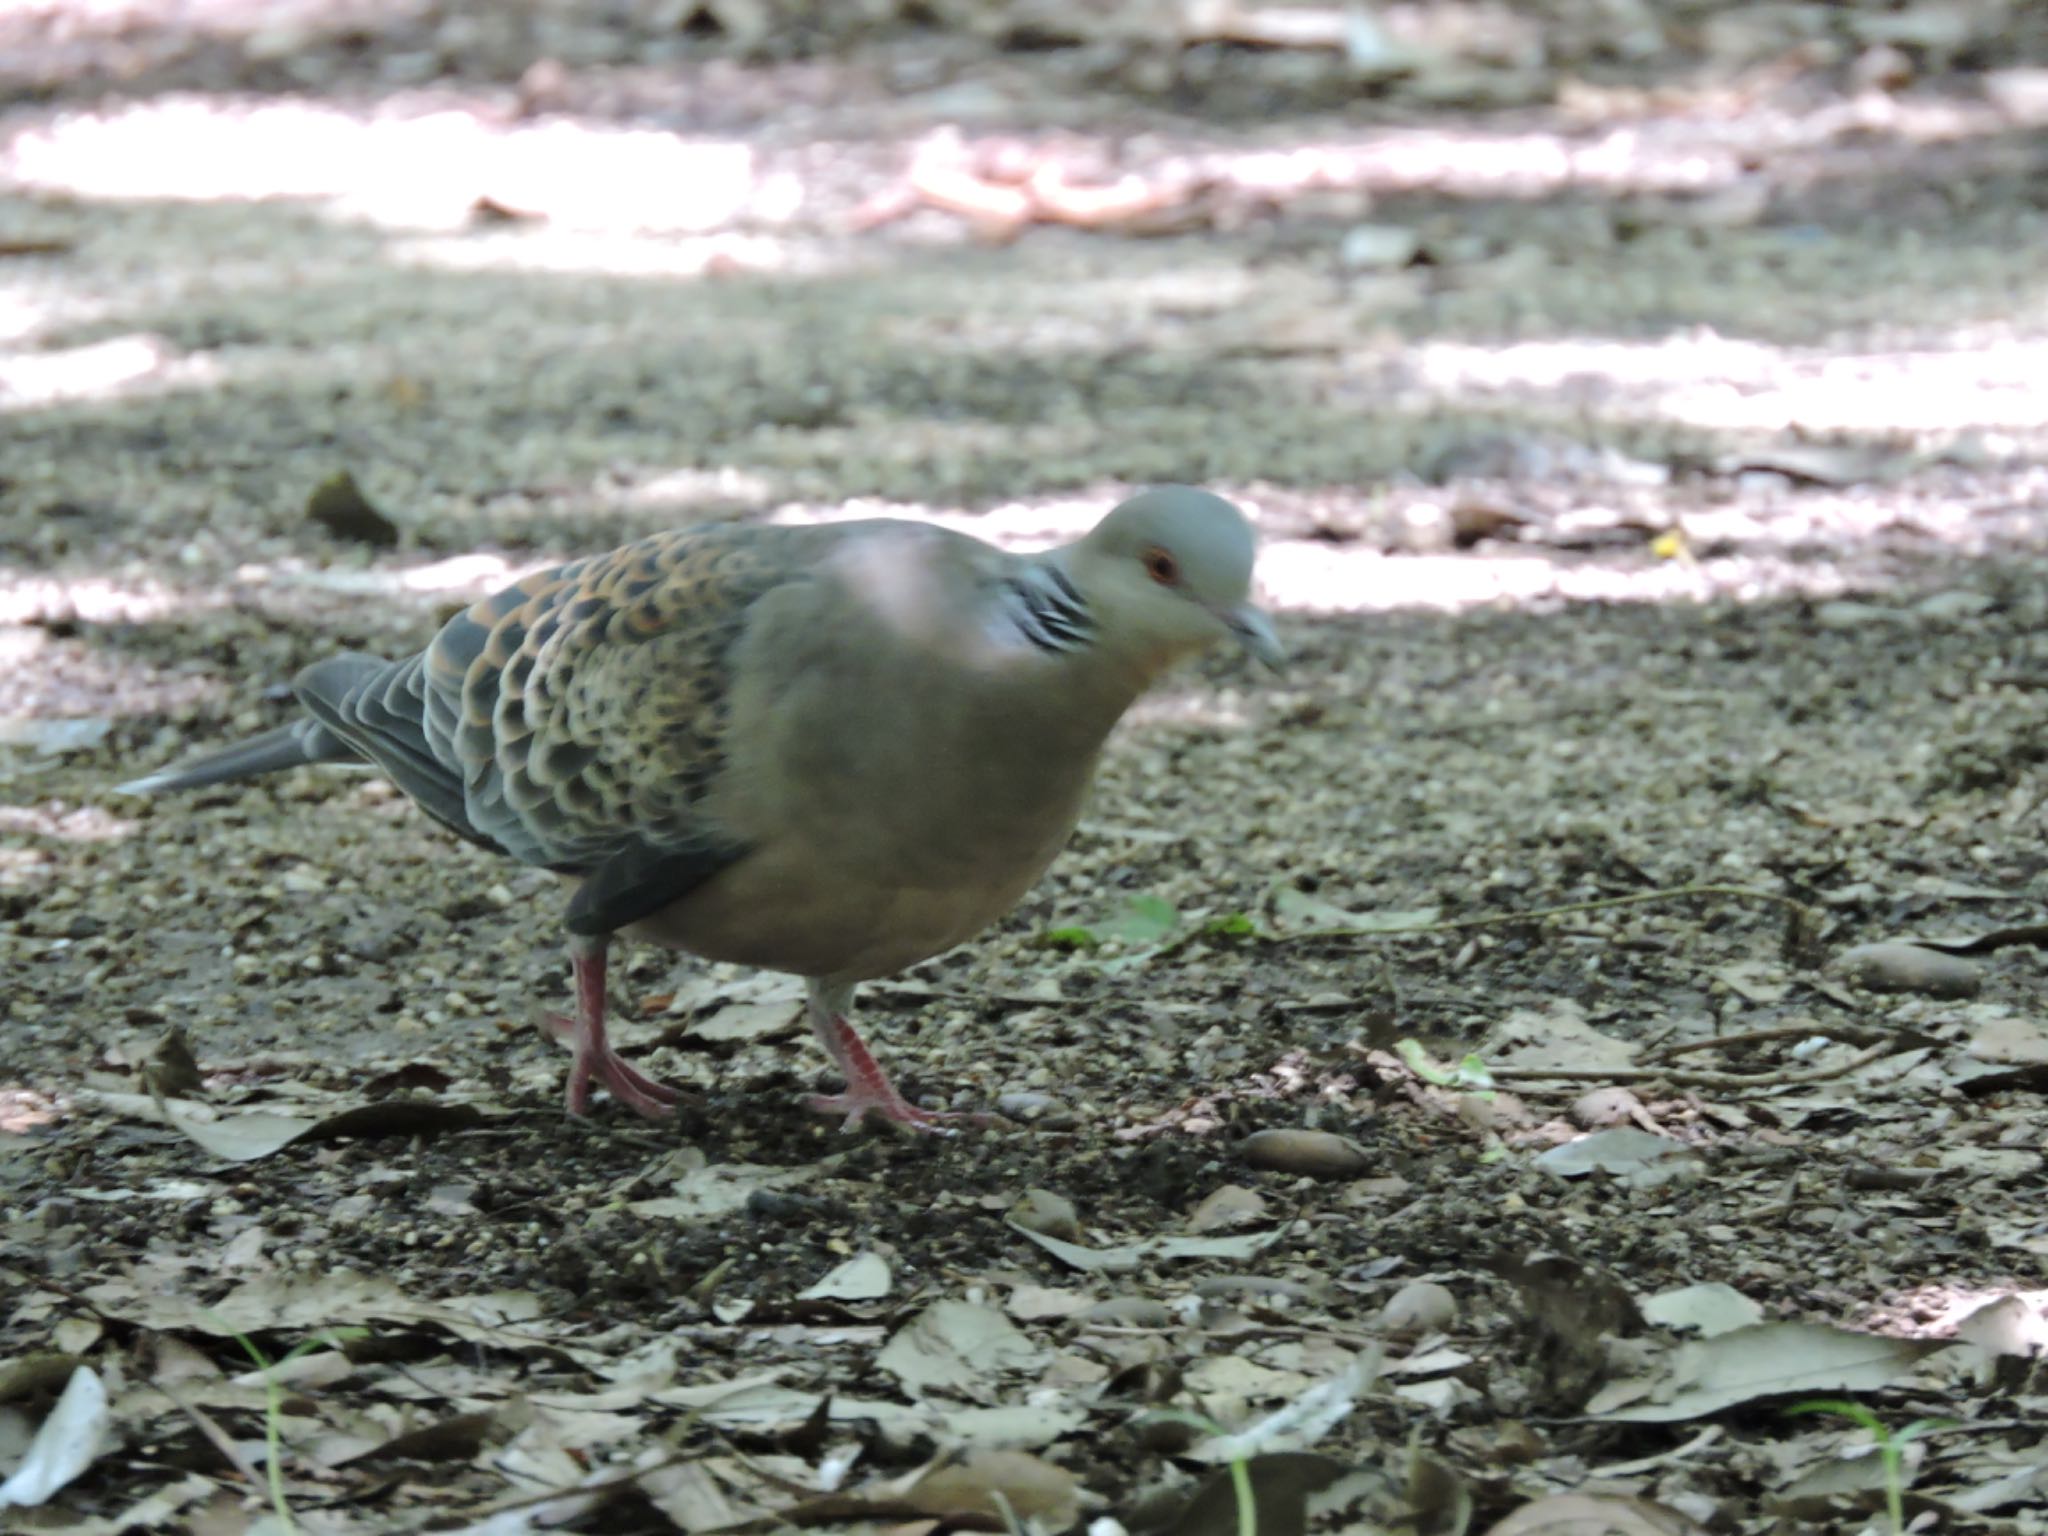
(1010, 1486)
(1709, 1308)
(1126, 1257)
(243, 1138)
(958, 1347)
(1768, 1360)
(864, 1277)
(1595, 1514)
(67, 1442)
(1622, 1150)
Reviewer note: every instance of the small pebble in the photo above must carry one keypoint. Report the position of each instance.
(1377, 247)
(1956, 603)
(1419, 1307)
(1042, 1211)
(1253, 1288)
(1231, 1206)
(1893, 966)
(1318, 1154)
(1128, 1312)
(339, 505)
(1026, 1104)
(1847, 613)
(1604, 1107)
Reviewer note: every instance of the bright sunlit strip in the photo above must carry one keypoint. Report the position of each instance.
(1705, 380)
(397, 168)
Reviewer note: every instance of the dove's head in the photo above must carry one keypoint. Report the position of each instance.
(1170, 571)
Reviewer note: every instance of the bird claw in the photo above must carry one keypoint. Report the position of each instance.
(617, 1076)
(894, 1111)
(868, 1088)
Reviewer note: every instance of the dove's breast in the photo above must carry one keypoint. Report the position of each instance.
(900, 779)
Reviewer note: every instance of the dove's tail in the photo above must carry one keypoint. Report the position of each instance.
(289, 746)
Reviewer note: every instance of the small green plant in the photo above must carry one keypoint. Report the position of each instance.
(1142, 919)
(273, 1410)
(1891, 1446)
(1240, 1467)
(1147, 925)
(1469, 1075)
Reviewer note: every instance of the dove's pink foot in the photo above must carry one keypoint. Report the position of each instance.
(868, 1089)
(592, 1055)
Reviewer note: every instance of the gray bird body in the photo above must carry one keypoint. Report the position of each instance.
(833, 751)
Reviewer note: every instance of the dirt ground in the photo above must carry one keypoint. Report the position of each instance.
(1446, 1086)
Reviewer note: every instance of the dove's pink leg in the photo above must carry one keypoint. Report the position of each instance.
(868, 1089)
(593, 1055)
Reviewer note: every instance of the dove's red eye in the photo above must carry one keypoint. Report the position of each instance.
(1161, 566)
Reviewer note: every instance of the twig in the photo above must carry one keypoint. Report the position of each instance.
(1870, 1176)
(1251, 1331)
(78, 1299)
(1535, 914)
(919, 992)
(1692, 1079)
(1740, 1037)
(2032, 934)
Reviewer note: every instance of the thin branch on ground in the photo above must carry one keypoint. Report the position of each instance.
(1691, 1079)
(1566, 909)
(1757, 1036)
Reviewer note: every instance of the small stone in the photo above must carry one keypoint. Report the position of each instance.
(1956, 603)
(1231, 1206)
(1881, 68)
(1893, 966)
(1318, 1154)
(1128, 1312)
(1027, 1104)
(1419, 1307)
(279, 41)
(1378, 247)
(1254, 1288)
(2021, 92)
(1042, 1211)
(1847, 613)
(1604, 1107)
(339, 505)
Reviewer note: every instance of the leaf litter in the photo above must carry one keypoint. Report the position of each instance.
(1444, 901)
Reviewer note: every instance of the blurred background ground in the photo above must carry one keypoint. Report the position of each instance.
(1642, 409)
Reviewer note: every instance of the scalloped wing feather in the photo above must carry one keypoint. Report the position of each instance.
(585, 707)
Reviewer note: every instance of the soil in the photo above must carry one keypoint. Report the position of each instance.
(1649, 456)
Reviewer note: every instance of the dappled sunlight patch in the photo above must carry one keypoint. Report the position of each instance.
(1199, 705)
(457, 575)
(29, 310)
(23, 1109)
(27, 598)
(62, 708)
(65, 823)
(2007, 1319)
(397, 166)
(119, 368)
(1018, 525)
(542, 249)
(689, 487)
(1313, 577)
(27, 831)
(1701, 379)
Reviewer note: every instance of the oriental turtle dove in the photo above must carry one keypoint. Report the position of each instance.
(830, 750)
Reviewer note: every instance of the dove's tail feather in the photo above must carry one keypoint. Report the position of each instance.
(289, 746)
(361, 709)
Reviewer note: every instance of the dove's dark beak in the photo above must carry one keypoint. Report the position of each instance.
(1254, 631)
